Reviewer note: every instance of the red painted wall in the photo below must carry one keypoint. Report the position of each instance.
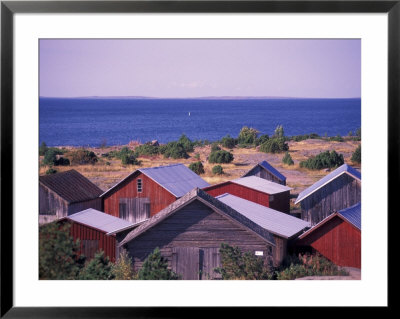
(281, 201)
(106, 243)
(337, 240)
(159, 196)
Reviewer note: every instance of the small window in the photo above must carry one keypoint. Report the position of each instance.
(271, 198)
(122, 211)
(139, 185)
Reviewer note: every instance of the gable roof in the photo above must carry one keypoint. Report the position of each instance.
(351, 214)
(261, 185)
(101, 221)
(267, 166)
(276, 222)
(208, 200)
(71, 186)
(344, 169)
(175, 178)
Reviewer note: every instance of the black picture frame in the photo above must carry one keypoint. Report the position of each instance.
(9, 8)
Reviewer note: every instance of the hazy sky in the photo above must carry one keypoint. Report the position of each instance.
(196, 68)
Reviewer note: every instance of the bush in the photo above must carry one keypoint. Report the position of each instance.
(262, 139)
(215, 147)
(228, 141)
(298, 138)
(356, 156)
(220, 157)
(50, 157)
(323, 160)
(197, 156)
(82, 157)
(147, 150)
(287, 159)
(43, 149)
(155, 267)
(197, 167)
(247, 135)
(122, 269)
(337, 138)
(236, 265)
(186, 143)
(98, 268)
(309, 265)
(279, 131)
(217, 170)
(174, 150)
(274, 145)
(61, 162)
(51, 171)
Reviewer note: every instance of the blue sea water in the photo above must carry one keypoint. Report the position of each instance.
(85, 121)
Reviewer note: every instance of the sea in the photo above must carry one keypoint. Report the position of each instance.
(117, 121)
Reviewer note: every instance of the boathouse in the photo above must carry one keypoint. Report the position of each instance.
(267, 171)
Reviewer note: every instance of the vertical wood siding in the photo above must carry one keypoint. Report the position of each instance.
(159, 196)
(342, 192)
(198, 227)
(105, 243)
(77, 207)
(337, 240)
(51, 204)
(281, 201)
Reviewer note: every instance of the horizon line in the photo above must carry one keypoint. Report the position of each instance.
(194, 97)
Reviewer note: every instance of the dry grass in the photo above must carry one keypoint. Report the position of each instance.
(298, 178)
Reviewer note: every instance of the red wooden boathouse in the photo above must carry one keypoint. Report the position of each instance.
(257, 190)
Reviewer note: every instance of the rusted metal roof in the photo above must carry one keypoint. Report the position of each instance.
(71, 186)
(213, 203)
(272, 220)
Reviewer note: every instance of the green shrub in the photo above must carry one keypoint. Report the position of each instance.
(50, 157)
(187, 144)
(262, 139)
(220, 157)
(122, 269)
(155, 267)
(323, 160)
(82, 157)
(197, 167)
(174, 150)
(61, 162)
(197, 156)
(279, 131)
(217, 170)
(287, 159)
(128, 160)
(247, 135)
(215, 147)
(98, 268)
(356, 156)
(298, 138)
(228, 141)
(274, 145)
(243, 266)
(337, 138)
(147, 150)
(43, 149)
(51, 171)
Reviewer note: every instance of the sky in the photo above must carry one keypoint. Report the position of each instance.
(185, 68)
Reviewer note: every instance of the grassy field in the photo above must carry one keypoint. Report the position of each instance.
(106, 175)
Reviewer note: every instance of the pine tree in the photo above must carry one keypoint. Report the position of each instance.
(155, 267)
(98, 268)
(58, 253)
(122, 269)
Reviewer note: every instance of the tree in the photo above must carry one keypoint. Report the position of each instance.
(274, 145)
(287, 159)
(247, 135)
(197, 167)
(217, 170)
(155, 267)
(236, 265)
(279, 131)
(186, 143)
(58, 253)
(43, 148)
(228, 141)
(356, 157)
(220, 157)
(50, 157)
(83, 156)
(122, 269)
(98, 268)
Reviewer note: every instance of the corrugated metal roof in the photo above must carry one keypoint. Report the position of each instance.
(208, 200)
(344, 169)
(175, 178)
(99, 220)
(261, 184)
(352, 214)
(71, 186)
(272, 170)
(272, 220)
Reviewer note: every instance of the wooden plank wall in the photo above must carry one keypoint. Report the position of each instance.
(95, 203)
(342, 192)
(196, 226)
(51, 204)
(159, 196)
(337, 240)
(263, 173)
